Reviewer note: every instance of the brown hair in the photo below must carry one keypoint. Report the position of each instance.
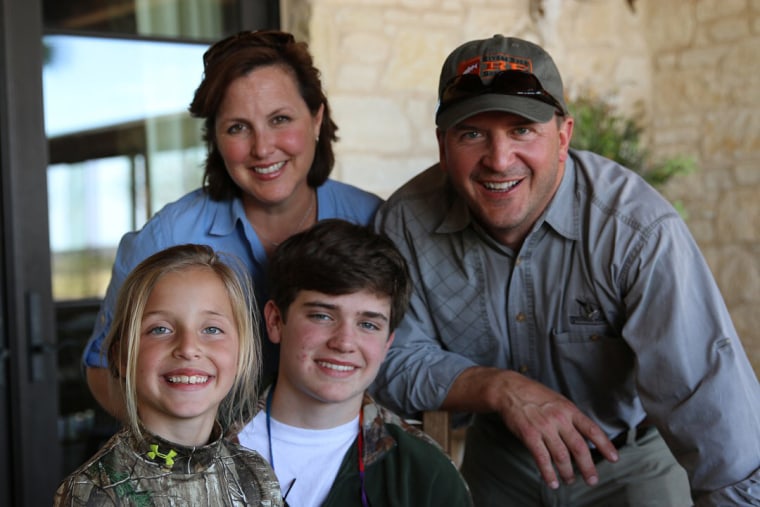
(337, 257)
(235, 57)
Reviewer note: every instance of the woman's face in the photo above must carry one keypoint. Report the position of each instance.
(267, 136)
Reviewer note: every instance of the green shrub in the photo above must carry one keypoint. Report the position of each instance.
(601, 129)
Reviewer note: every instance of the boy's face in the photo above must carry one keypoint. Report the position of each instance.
(330, 347)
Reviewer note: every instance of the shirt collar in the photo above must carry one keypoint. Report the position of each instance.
(226, 215)
(458, 216)
(562, 212)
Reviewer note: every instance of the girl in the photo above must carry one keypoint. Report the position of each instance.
(184, 350)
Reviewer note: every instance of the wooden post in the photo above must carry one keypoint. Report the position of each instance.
(436, 424)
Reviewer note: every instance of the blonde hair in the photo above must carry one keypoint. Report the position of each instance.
(123, 340)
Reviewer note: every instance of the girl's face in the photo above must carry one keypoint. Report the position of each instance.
(187, 359)
(267, 136)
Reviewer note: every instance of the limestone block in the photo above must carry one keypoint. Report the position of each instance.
(381, 174)
(603, 24)
(371, 124)
(509, 19)
(415, 60)
(736, 71)
(713, 9)
(451, 20)
(732, 131)
(367, 48)
(748, 172)
(362, 57)
(702, 230)
(738, 216)
(421, 115)
(363, 4)
(419, 4)
(360, 18)
(355, 77)
(729, 29)
(746, 320)
(669, 25)
(739, 273)
(678, 135)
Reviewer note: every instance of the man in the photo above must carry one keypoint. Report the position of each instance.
(338, 292)
(562, 301)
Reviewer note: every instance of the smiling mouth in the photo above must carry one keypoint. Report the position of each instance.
(503, 186)
(187, 379)
(269, 169)
(336, 367)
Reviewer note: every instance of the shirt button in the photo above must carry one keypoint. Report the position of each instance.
(520, 317)
(523, 368)
(518, 261)
(594, 337)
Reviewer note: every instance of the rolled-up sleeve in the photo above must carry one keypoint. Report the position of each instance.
(693, 376)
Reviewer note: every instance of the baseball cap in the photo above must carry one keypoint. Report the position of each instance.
(499, 74)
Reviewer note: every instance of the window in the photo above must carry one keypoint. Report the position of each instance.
(121, 145)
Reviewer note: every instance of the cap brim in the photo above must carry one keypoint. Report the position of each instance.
(532, 109)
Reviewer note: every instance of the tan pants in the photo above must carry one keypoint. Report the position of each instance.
(646, 475)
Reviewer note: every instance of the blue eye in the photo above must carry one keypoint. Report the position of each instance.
(371, 326)
(319, 316)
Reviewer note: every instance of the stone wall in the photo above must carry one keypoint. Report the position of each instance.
(691, 64)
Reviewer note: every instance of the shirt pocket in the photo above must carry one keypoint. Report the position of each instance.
(594, 367)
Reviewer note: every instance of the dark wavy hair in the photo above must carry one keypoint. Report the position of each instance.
(235, 57)
(337, 257)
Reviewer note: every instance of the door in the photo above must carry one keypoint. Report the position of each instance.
(63, 169)
(30, 456)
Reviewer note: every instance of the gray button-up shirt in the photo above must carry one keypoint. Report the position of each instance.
(609, 302)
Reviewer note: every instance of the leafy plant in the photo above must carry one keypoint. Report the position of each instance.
(601, 129)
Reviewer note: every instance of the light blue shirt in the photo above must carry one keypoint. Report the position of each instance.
(195, 218)
(608, 301)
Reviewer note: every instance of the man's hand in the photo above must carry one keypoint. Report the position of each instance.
(552, 428)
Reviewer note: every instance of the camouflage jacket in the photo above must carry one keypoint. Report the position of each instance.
(151, 471)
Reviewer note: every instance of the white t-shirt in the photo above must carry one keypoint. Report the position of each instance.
(305, 461)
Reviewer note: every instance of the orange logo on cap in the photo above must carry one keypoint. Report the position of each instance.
(492, 64)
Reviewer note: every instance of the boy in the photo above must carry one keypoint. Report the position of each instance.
(338, 292)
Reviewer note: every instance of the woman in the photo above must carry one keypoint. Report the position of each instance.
(269, 136)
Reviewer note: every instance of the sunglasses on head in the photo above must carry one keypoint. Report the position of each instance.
(267, 38)
(508, 82)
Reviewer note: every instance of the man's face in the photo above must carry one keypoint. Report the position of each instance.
(330, 347)
(506, 168)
